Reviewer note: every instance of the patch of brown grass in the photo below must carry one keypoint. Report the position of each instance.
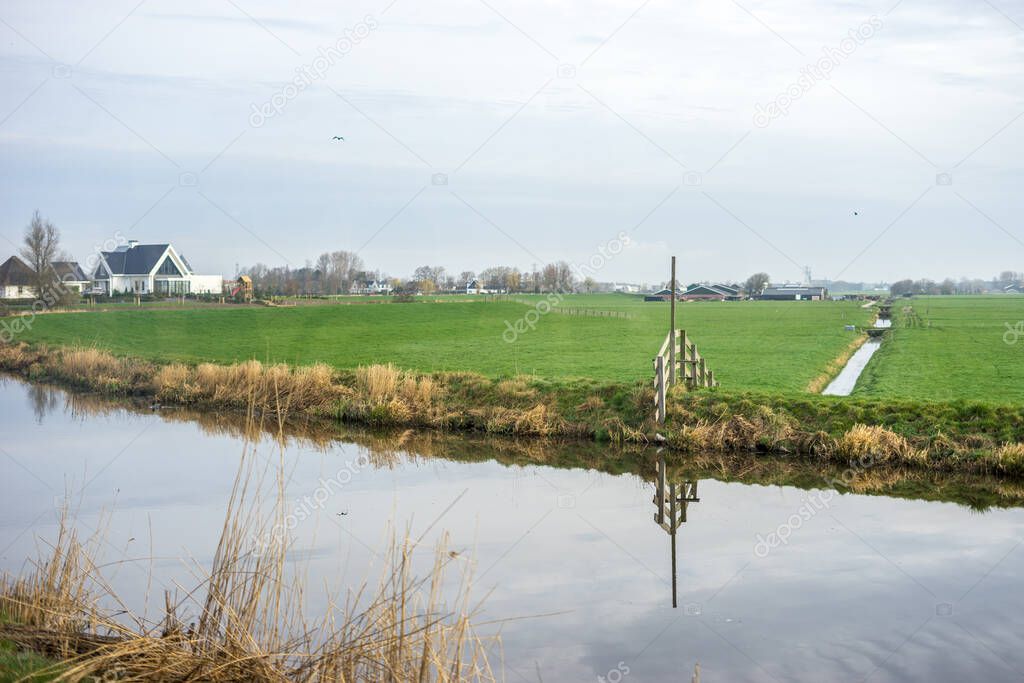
(874, 443)
(515, 390)
(1009, 459)
(378, 383)
(536, 421)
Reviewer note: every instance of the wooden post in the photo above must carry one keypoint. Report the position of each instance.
(672, 328)
(659, 372)
(703, 373)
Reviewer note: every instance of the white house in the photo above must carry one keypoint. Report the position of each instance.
(150, 269)
(17, 278)
(371, 287)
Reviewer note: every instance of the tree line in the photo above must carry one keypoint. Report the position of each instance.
(344, 272)
(949, 286)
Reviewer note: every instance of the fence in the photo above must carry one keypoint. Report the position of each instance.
(678, 361)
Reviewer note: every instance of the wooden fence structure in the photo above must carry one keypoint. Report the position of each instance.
(678, 361)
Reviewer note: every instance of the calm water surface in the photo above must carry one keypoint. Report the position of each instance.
(868, 588)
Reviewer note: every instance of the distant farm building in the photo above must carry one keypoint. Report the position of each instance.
(662, 295)
(698, 292)
(1013, 289)
(794, 293)
(704, 292)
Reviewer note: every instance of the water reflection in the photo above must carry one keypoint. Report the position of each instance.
(388, 447)
(670, 504)
(879, 587)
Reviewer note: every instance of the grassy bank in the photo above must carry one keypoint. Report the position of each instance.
(949, 348)
(960, 436)
(771, 346)
(17, 664)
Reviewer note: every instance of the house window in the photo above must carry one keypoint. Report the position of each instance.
(168, 268)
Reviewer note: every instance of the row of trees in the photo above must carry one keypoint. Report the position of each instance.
(949, 286)
(558, 276)
(343, 272)
(333, 273)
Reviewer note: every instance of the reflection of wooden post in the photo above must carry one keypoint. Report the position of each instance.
(672, 514)
(672, 328)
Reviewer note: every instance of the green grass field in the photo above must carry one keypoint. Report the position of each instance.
(772, 346)
(955, 350)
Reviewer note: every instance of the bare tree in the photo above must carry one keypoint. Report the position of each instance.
(756, 283)
(42, 248)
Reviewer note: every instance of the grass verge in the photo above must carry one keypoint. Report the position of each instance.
(956, 436)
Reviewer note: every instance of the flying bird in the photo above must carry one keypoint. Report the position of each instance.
(856, 213)
(338, 137)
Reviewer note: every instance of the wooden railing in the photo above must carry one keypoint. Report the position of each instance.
(678, 361)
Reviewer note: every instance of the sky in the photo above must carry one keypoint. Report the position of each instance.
(865, 141)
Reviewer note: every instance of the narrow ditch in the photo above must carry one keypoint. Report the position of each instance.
(846, 380)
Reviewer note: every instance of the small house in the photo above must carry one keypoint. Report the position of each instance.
(16, 280)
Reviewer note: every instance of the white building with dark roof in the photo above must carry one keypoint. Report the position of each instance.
(17, 279)
(150, 269)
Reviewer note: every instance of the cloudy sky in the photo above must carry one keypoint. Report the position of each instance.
(740, 136)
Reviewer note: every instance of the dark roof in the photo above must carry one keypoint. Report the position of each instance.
(706, 289)
(137, 260)
(729, 289)
(69, 271)
(14, 272)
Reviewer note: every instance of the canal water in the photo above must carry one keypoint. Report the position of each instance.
(774, 582)
(846, 380)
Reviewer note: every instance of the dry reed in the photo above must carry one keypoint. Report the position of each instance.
(251, 624)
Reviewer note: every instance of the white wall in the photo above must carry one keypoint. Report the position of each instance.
(11, 292)
(206, 284)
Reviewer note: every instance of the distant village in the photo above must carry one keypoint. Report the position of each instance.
(160, 270)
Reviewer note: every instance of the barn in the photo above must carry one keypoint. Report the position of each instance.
(794, 293)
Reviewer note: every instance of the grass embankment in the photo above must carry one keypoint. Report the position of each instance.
(964, 436)
(950, 348)
(24, 666)
(757, 345)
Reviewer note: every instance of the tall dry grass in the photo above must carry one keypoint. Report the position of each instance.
(878, 444)
(252, 621)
